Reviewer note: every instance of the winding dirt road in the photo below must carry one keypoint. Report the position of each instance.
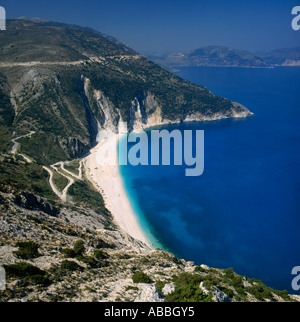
(60, 169)
(16, 145)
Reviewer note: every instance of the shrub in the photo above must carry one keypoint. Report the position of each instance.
(39, 280)
(90, 261)
(70, 266)
(133, 288)
(261, 292)
(30, 273)
(187, 289)
(199, 269)
(68, 252)
(160, 285)
(141, 277)
(27, 250)
(79, 248)
(22, 269)
(284, 294)
(188, 293)
(229, 273)
(100, 254)
(229, 292)
(187, 278)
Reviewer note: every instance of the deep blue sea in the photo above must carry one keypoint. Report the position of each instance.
(244, 210)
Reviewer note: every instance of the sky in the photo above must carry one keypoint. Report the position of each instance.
(162, 26)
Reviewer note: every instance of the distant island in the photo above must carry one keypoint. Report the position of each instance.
(221, 56)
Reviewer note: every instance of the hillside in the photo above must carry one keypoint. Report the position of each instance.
(282, 56)
(64, 82)
(60, 254)
(221, 56)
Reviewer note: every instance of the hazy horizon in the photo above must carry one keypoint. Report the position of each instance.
(166, 26)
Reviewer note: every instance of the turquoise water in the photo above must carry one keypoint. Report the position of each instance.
(243, 212)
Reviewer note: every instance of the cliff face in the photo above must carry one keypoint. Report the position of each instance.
(67, 82)
(146, 111)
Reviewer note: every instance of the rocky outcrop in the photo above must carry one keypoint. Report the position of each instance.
(84, 86)
(109, 114)
(217, 295)
(145, 111)
(75, 147)
(236, 111)
(168, 288)
(149, 294)
(30, 201)
(102, 113)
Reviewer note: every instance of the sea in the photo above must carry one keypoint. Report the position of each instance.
(244, 210)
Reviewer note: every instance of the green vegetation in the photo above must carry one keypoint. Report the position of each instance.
(239, 287)
(91, 261)
(25, 176)
(188, 293)
(263, 292)
(7, 112)
(141, 277)
(187, 289)
(59, 180)
(70, 266)
(83, 192)
(44, 148)
(160, 285)
(78, 251)
(27, 250)
(79, 248)
(36, 220)
(68, 252)
(131, 288)
(31, 274)
(100, 254)
(236, 287)
(73, 166)
(5, 139)
(199, 269)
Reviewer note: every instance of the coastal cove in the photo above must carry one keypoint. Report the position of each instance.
(243, 212)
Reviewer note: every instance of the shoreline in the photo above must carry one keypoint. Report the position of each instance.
(108, 181)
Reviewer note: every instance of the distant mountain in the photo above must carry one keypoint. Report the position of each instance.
(282, 57)
(221, 56)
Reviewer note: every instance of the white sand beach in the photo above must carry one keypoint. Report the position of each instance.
(107, 180)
